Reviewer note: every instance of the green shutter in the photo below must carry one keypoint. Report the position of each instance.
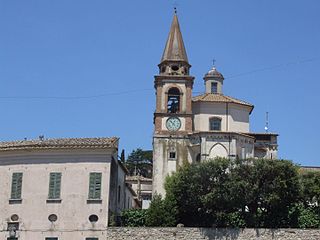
(16, 186)
(95, 185)
(54, 185)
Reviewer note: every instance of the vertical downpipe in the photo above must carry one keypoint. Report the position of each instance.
(227, 126)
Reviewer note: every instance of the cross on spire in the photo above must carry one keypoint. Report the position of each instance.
(175, 5)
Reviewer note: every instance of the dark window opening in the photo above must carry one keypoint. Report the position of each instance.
(214, 87)
(14, 217)
(51, 238)
(93, 218)
(175, 68)
(173, 100)
(53, 218)
(119, 194)
(215, 124)
(172, 155)
(198, 158)
(13, 226)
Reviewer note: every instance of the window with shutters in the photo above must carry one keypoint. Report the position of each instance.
(95, 185)
(16, 186)
(54, 185)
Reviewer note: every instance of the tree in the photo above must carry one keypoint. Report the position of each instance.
(222, 192)
(310, 187)
(161, 213)
(140, 162)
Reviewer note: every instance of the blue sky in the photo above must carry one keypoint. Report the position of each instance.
(85, 68)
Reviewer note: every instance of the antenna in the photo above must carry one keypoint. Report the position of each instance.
(267, 122)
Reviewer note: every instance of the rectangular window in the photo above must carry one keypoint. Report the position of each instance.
(214, 87)
(95, 185)
(172, 155)
(16, 186)
(215, 124)
(13, 226)
(52, 238)
(92, 238)
(54, 185)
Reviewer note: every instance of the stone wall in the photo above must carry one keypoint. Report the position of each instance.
(210, 234)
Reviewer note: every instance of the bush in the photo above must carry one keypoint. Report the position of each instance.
(304, 216)
(134, 217)
(160, 213)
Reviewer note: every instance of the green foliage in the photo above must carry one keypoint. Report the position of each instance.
(221, 192)
(161, 213)
(310, 187)
(134, 217)
(139, 162)
(304, 216)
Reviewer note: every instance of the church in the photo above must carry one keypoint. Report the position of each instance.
(192, 129)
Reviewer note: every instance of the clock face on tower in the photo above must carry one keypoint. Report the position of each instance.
(173, 124)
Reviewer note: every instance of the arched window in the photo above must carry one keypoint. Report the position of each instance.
(173, 104)
(215, 124)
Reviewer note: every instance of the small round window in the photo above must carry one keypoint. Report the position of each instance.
(52, 218)
(175, 67)
(93, 218)
(14, 217)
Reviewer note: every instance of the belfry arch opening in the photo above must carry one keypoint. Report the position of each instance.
(173, 104)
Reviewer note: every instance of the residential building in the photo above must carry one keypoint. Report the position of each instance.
(61, 188)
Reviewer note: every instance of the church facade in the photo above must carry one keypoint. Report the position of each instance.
(192, 129)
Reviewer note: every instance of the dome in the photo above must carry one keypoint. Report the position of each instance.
(214, 73)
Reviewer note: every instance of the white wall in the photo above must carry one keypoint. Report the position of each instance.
(73, 211)
(235, 119)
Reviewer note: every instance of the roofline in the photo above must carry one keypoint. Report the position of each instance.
(222, 132)
(309, 167)
(131, 190)
(124, 168)
(48, 144)
(273, 134)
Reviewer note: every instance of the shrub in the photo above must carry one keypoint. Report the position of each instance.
(134, 217)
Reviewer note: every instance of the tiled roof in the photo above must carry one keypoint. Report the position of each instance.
(135, 178)
(212, 97)
(60, 143)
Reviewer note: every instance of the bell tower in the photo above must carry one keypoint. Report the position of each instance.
(173, 119)
(173, 86)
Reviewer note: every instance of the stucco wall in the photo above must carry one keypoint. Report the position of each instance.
(211, 234)
(235, 119)
(73, 210)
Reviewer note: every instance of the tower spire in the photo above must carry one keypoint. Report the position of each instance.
(174, 49)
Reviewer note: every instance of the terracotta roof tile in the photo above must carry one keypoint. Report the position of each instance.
(211, 97)
(60, 143)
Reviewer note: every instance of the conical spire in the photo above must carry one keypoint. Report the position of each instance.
(175, 50)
